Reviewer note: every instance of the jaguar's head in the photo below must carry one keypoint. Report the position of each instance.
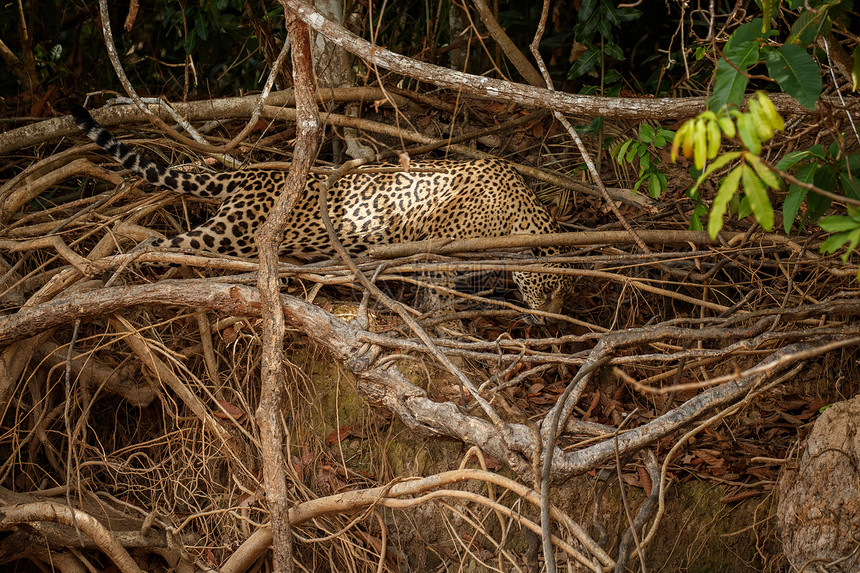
(544, 291)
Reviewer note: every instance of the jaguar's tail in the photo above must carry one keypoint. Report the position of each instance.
(200, 184)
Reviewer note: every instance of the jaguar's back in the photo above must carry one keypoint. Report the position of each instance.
(374, 205)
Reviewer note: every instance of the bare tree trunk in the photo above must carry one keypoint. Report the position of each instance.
(333, 70)
(458, 30)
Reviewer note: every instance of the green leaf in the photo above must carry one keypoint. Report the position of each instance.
(604, 28)
(850, 186)
(825, 179)
(853, 239)
(699, 211)
(696, 223)
(587, 9)
(744, 209)
(584, 64)
(201, 27)
(796, 195)
(608, 11)
(646, 133)
(729, 86)
(735, 204)
(631, 151)
(805, 28)
(818, 151)
(796, 73)
(669, 135)
(844, 229)
(613, 51)
(654, 188)
(817, 204)
(837, 223)
(833, 242)
(790, 159)
(755, 192)
(611, 77)
(742, 47)
(743, 50)
(621, 150)
(727, 190)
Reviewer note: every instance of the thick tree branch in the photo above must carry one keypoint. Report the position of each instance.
(387, 385)
(11, 516)
(222, 109)
(579, 239)
(591, 106)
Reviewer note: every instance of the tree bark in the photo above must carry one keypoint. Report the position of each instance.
(530, 96)
(268, 241)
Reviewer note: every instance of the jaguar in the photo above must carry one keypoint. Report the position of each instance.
(369, 206)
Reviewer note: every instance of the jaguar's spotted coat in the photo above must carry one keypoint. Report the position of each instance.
(449, 199)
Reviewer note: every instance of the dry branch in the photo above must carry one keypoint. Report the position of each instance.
(268, 240)
(499, 90)
(761, 302)
(387, 386)
(580, 239)
(392, 495)
(218, 109)
(12, 516)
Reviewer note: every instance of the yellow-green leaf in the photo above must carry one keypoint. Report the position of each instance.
(714, 138)
(757, 196)
(714, 165)
(727, 190)
(727, 125)
(767, 13)
(760, 120)
(680, 139)
(770, 111)
(700, 151)
(766, 175)
(855, 70)
(748, 133)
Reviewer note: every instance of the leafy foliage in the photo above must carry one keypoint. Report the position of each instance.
(789, 65)
(633, 151)
(701, 138)
(742, 50)
(825, 168)
(598, 22)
